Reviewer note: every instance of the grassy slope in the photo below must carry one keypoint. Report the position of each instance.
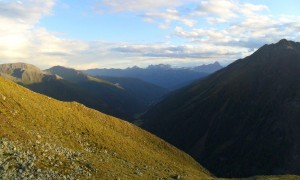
(110, 146)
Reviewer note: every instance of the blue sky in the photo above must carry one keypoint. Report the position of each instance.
(124, 33)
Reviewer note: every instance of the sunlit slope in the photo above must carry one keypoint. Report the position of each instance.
(24, 73)
(45, 138)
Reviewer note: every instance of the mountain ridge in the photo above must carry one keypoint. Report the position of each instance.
(73, 75)
(24, 73)
(162, 75)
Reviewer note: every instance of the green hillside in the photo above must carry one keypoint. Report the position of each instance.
(44, 138)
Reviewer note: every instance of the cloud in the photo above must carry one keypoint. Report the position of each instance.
(140, 5)
(202, 51)
(244, 33)
(163, 13)
(219, 8)
(221, 11)
(22, 40)
(168, 16)
(27, 12)
(18, 21)
(234, 24)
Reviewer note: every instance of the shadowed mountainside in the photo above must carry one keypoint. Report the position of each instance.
(146, 92)
(123, 96)
(241, 121)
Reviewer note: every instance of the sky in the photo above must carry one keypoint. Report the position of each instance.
(86, 34)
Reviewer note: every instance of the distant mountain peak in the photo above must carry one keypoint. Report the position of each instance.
(160, 66)
(23, 72)
(63, 67)
(133, 67)
(208, 68)
(69, 74)
(20, 65)
(216, 63)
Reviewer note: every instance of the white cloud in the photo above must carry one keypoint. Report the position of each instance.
(140, 5)
(168, 16)
(250, 9)
(233, 24)
(17, 32)
(224, 9)
(188, 52)
(251, 32)
(28, 11)
(163, 13)
(23, 41)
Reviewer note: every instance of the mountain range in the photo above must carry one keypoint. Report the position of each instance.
(162, 75)
(242, 120)
(115, 98)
